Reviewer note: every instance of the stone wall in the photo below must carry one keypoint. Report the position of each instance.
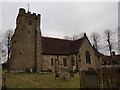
(24, 42)
(86, 46)
(47, 62)
(79, 59)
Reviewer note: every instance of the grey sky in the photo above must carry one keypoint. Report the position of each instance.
(65, 18)
(119, 28)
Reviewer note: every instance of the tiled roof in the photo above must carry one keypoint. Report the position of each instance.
(111, 58)
(55, 46)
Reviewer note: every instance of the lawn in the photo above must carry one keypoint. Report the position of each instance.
(39, 80)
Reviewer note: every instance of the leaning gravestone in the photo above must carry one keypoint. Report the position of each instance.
(63, 74)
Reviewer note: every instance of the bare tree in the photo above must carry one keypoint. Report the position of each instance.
(108, 34)
(2, 50)
(81, 35)
(95, 38)
(67, 37)
(75, 37)
(118, 39)
(7, 41)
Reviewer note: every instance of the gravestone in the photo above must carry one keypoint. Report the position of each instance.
(63, 74)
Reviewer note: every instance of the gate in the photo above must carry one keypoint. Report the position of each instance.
(102, 78)
(90, 79)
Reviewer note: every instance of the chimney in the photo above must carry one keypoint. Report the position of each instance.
(113, 53)
(85, 35)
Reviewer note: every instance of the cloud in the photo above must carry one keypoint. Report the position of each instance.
(66, 18)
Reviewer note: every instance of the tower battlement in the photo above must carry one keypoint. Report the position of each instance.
(26, 49)
(23, 12)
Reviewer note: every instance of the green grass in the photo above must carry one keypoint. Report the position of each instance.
(35, 80)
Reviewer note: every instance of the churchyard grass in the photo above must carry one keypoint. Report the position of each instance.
(39, 80)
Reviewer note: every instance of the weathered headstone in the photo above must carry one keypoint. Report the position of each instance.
(63, 74)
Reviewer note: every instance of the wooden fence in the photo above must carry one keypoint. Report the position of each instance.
(102, 78)
(110, 77)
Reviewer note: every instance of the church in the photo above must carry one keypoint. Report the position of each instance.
(30, 50)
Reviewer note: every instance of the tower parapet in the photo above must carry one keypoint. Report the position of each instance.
(26, 49)
(22, 11)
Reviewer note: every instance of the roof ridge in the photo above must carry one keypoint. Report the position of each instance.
(62, 39)
(56, 38)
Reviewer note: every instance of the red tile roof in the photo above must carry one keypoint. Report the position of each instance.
(55, 46)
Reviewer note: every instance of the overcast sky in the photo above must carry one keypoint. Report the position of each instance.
(65, 18)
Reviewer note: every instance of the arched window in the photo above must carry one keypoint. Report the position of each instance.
(51, 61)
(88, 60)
(72, 61)
(64, 62)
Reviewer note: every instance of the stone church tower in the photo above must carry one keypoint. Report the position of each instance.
(26, 52)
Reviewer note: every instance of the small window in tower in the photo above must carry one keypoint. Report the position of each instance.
(15, 41)
(30, 22)
(28, 31)
(20, 53)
